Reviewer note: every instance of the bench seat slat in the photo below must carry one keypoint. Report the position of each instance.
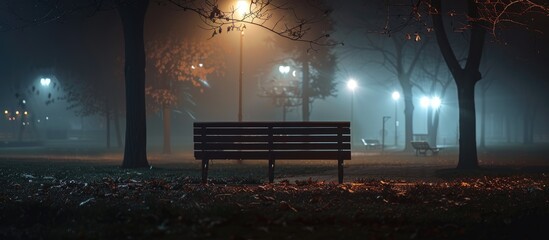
(275, 146)
(274, 131)
(286, 155)
(273, 124)
(251, 139)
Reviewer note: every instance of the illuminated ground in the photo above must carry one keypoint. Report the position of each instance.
(82, 193)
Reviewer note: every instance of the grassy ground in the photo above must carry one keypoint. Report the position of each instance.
(56, 193)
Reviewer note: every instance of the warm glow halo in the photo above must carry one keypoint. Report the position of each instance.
(242, 7)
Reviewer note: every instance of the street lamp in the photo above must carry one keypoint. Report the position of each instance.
(424, 102)
(396, 96)
(45, 81)
(352, 85)
(434, 104)
(284, 70)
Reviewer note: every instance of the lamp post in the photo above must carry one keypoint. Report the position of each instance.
(352, 85)
(240, 8)
(385, 118)
(240, 78)
(396, 96)
(284, 70)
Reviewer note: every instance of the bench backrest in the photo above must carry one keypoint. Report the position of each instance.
(272, 140)
(420, 145)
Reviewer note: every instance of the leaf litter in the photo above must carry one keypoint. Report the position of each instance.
(142, 205)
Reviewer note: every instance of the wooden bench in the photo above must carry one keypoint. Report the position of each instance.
(371, 143)
(422, 147)
(272, 141)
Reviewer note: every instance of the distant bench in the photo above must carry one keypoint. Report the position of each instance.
(272, 141)
(422, 147)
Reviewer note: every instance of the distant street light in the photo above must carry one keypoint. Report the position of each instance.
(434, 103)
(284, 70)
(352, 85)
(424, 101)
(45, 82)
(396, 96)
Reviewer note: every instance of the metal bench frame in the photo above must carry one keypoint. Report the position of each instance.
(272, 141)
(422, 147)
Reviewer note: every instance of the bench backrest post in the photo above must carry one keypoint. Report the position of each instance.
(271, 157)
(205, 160)
(340, 159)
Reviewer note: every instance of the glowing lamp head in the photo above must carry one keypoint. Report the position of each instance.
(352, 84)
(395, 95)
(284, 69)
(435, 102)
(6, 112)
(45, 82)
(242, 7)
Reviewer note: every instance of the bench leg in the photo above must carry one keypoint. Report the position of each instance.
(205, 163)
(271, 170)
(340, 171)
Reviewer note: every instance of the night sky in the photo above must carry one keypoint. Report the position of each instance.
(90, 47)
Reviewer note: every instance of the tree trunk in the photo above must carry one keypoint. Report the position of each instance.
(434, 131)
(305, 91)
(116, 119)
(167, 119)
(132, 14)
(482, 144)
(408, 116)
(465, 79)
(528, 122)
(467, 124)
(108, 124)
(508, 128)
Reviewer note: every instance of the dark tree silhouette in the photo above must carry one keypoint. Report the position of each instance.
(479, 16)
(132, 14)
